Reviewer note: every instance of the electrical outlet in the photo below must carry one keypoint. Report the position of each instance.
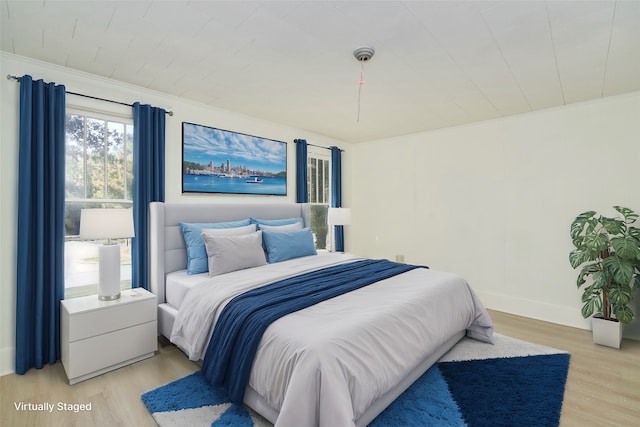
(399, 258)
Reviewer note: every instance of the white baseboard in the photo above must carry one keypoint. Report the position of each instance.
(562, 315)
(7, 361)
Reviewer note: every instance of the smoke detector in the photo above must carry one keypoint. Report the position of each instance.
(364, 53)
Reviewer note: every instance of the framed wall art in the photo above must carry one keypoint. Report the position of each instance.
(221, 161)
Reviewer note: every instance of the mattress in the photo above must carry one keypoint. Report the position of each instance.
(179, 283)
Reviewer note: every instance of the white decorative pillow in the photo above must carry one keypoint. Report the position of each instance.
(196, 252)
(231, 253)
(281, 228)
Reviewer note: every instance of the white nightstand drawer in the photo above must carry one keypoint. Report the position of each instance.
(108, 350)
(111, 316)
(92, 317)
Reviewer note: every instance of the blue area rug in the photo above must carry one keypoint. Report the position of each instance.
(511, 383)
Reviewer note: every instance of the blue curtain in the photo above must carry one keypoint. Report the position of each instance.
(302, 192)
(41, 186)
(148, 183)
(336, 193)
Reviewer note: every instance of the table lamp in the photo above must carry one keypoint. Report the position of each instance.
(107, 224)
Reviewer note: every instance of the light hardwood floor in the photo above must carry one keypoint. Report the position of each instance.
(603, 386)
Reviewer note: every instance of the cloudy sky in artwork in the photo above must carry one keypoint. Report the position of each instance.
(203, 144)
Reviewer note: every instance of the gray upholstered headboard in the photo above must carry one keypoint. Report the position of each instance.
(167, 250)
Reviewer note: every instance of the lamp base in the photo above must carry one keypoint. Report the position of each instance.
(109, 265)
(109, 297)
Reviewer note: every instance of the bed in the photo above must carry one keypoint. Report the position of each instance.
(339, 362)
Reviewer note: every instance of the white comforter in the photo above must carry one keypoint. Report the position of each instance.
(325, 365)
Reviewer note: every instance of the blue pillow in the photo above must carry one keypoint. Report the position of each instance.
(279, 228)
(197, 260)
(284, 245)
(275, 222)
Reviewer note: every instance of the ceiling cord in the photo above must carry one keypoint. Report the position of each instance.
(360, 84)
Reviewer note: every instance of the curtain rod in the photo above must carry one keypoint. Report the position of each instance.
(16, 78)
(319, 146)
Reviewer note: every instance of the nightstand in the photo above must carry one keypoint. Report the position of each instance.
(100, 336)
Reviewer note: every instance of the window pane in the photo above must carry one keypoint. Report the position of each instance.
(319, 226)
(96, 165)
(326, 185)
(313, 180)
(71, 219)
(116, 177)
(319, 182)
(74, 152)
(128, 149)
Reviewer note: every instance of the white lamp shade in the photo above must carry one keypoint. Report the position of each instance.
(339, 216)
(106, 224)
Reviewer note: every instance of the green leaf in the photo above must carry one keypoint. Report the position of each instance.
(622, 270)
(586, 215)
(612, 225)
(601, 279)
(576, 229)
(629, 215)
(596, 242)
(634, 232)
(588, 270)
(623, 313)
(598, 303)
(589, 293)
(578, 224)
(578, 242)
(588, 308)
(578, 257)
(626, 247)
(620, 296)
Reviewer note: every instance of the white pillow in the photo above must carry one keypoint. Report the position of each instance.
(281, 228)
(231, 253)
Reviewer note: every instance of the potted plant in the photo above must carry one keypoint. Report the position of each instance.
(608, 249)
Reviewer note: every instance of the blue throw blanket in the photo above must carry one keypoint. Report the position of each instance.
(244, 319)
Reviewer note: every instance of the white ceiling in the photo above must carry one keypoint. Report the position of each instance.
(437, 63)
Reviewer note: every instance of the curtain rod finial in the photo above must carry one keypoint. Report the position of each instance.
(12, 77)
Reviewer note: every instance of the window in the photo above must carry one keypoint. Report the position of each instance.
(99, 174)
(319, 187)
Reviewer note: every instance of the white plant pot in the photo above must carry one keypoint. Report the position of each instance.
(606, 332)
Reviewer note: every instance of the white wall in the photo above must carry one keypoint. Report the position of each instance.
(493, 201)
(105, 88)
